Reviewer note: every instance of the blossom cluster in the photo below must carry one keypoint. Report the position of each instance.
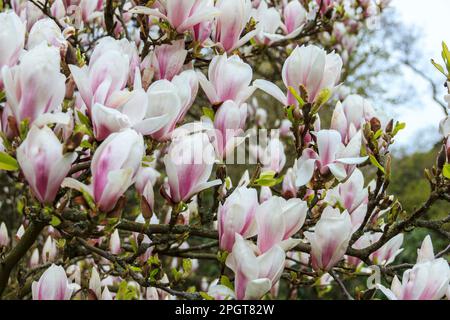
(115, 117)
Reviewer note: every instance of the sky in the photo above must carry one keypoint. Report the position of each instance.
(423, 116)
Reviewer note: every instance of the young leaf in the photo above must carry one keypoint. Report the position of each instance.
(446, 170)
(7, 162)
(226, 282)
(55, 221)
(375, 162)
(208, 112)
(206, 296)
(398, 127)
(439, 67)
(297, 96)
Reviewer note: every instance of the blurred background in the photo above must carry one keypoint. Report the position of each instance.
(412, 32)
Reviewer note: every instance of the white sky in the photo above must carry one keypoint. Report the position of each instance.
(431, 17)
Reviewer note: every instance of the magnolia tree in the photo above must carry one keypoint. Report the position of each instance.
(142, 157)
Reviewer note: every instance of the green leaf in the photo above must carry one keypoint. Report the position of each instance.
(297, 96)
(187, 266)
(446, 55)
(290, 113)
(206, 296)
(83, 129)
(398, 127)
(23, 128)
(177, 275)
(126, 292)
(321, 99)
(446, 170)
(55, 221)
(226, 282)
(89, 199)
(378, 134)
(267, 179)
(83, 119)
(208, 112)
(135, 269)
(375, 162)
(2, 95)
(7, 162)
(439, 67)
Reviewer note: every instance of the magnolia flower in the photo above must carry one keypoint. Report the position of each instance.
(350, 115)
(237, 216)
(277, 221)
(145, 180)
(307, 66)
(265, 194)
(167, 60)
(294, 18)
(114, 167)
(202, 30)
(49, 251)
(57, 9)
(352, 196)
(332, 156)
(135, 113)
(229, 78)
(288, 185)
(95, 284)
(114, 242)
(20, 232)
(330, 238)
(28, 11)
(34, 259)
(12, 40)
(425, 281)
(105, 78)
(273, 156)
(4, 238)
(426, 251)
(52, 285)
(189, 163)
(46, 30)
(389, 251)
(172, 99)
(269, 21)
(383, 256)
(43, 163)
(182, 15)
(229, 123)
(90, 9)
(229, 25)
(35, 86)
(254, 276)
(220, 292)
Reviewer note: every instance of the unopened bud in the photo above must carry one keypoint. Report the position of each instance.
(390, 126)
(375, 124)
(442, 158)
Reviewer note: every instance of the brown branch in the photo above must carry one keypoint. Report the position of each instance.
(18, 252)
(149, 230)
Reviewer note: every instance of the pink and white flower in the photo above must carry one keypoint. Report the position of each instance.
(229, 78)
(237, 216)
(277, 221)
(332, 156)
(254, 275)
(43, 163)
(307, 66)
(52, 285)
(330, 238)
